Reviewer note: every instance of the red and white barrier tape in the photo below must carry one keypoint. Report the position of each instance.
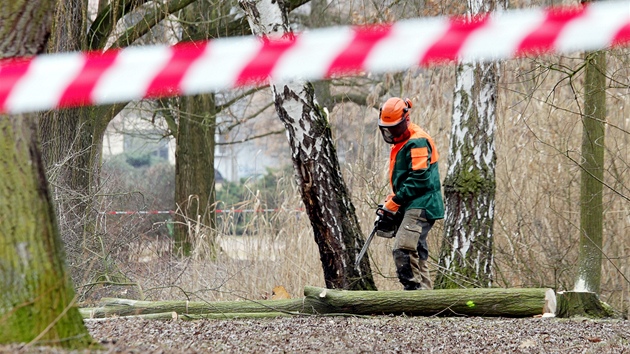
(72, 79)
(218, 211)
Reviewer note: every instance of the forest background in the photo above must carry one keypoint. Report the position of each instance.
(536, 225)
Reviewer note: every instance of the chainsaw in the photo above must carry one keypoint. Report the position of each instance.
(385, 225)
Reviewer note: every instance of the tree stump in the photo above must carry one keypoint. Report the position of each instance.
(582, 304)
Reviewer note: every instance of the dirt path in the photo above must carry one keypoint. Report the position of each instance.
(361, 335)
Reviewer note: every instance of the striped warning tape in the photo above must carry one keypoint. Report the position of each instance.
(72, 79)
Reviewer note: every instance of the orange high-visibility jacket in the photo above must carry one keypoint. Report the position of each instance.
(414, 175)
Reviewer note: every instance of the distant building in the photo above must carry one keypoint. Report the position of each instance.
(131, 133)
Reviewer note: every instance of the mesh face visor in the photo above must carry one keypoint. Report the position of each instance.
(395, 133)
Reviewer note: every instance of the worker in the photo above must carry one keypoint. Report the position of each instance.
(416, 199)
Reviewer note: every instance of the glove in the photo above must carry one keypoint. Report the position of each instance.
(386, 223)
(391, 206)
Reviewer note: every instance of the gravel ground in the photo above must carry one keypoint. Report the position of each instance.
(359, 335)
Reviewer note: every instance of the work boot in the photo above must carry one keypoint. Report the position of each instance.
(407, 276)
(412, 286)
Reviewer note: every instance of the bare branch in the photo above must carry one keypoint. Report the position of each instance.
(243, 120)
(223, 106)
(150, 19)
(250, 138)
(106, 20)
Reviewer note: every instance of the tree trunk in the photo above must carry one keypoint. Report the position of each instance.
(195, 144)
(194, 174)
(72, 145)
(37, 301)
(324, 193)
(72, 141)
(591, 187)
(469, 187)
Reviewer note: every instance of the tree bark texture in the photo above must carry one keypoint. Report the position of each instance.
(37, 300)
(514, 302)
(466, 255)
(591, 187)
(450, 302)
(582, 304)
(469, 187)
(174, 316)
(72, 142)
(194, 173)
(124, 307)
(324, 193)
(195, 193)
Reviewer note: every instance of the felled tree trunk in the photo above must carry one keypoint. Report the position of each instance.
(458, 302)
(468, 302)
(166, 316)
(124, 307)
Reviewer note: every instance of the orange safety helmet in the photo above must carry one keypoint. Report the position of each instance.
(393, 120)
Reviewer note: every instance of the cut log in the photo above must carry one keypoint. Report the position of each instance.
(549, 310)
(582, 304)
(125, 307)
(173, 316)
(458, 302)
(469, 302)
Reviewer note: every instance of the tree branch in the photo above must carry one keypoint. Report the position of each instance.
(241, 121)
(106, 20)
(167, 112)
(253, 137)
(150, 19)
(239, 97)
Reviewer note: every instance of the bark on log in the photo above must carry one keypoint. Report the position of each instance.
(468, 302)
(174, 316)
(458, 302)
(125, 307)
(582, 304)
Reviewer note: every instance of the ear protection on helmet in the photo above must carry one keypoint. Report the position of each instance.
(394, 126)
(409, 105)
(405, 110)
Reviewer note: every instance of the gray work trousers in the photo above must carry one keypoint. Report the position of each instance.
(411, 251)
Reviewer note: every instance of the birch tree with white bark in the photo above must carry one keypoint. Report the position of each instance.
(466, 255)
(324, 193)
